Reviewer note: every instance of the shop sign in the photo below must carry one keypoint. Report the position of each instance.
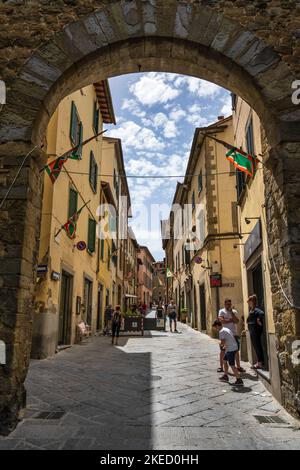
(216, 280)
(253, 242)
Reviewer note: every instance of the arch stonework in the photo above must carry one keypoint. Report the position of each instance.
(51, 50)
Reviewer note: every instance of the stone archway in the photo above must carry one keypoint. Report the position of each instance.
(234, 47)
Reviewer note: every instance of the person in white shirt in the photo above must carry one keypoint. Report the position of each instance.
(172, 313)
(229, 318)
(228, 342)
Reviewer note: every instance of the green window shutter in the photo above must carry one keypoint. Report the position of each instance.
(93, 173)
(200, 183)
(80, 138)
(73, 124)
(96, 118)
(73, 200)
(95, 176)
(102, 249)
(91, 235)
(108, 258)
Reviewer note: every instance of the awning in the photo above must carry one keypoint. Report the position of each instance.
(130, 296)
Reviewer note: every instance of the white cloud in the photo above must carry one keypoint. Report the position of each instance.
(195, 118)
(153, 88)
(202, 88)
(132, 106)
(137, 137)
(227, 106)
(162, 121)
(177, 113)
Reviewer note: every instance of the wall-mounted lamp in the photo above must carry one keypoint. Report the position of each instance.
(248, 219)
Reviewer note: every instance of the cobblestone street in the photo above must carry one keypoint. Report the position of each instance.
(160, 391)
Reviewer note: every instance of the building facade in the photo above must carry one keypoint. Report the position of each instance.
(131, 270)
(145, 275)
(159, 282)
(254, 252)
(114, 176)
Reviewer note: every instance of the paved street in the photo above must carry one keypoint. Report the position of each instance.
(160, 391)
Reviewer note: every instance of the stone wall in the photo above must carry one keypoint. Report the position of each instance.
(282, 198)
(19, 228)
(49, 49)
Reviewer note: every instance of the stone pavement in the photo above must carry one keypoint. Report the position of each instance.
(160, 391)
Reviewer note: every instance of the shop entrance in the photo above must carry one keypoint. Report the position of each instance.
(65, 309)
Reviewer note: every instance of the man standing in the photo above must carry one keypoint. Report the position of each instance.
(229, 319)
(172, 313)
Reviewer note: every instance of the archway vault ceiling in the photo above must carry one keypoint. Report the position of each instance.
(49, 49)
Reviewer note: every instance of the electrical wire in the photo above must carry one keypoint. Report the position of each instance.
(157, 176)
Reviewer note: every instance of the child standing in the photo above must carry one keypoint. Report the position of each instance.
(228, 341)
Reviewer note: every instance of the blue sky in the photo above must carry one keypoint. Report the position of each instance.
(157, 114)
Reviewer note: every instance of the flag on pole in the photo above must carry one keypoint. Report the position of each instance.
(75, 154)
(169, 273)
(54, 168)
(242, 161)
(71, 225)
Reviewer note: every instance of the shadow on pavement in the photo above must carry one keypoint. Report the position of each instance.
(103, 391)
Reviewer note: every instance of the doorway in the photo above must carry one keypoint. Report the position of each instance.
(258, 289)
(202, 307)
(99, 307)
(196, 326)
(87, 300)
(65, 309)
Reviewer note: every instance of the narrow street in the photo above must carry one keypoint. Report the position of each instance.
(160, 391)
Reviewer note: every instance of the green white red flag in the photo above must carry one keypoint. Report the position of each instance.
(242, 161)
(70, 226)
(54, 168)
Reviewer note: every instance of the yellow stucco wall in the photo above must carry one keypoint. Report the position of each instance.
(60, 253)
(252, 205)
(219, 254)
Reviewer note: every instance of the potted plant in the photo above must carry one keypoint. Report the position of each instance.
(183, 315)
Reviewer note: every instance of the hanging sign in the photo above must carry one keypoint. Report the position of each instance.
(81, 245)
(216, 280)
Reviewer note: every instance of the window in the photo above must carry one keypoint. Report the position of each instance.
(96, 118)
(76, 128)
(108, 258)
(240, 182)
(200, 182)
(233, 101)
(93, 176)
(73, 201)
(250, 137)
(193, 201)
(91, 235)
(102, 249)
(187, 256)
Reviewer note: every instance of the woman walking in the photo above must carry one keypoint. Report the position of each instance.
(255, 322)
(116, 324)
